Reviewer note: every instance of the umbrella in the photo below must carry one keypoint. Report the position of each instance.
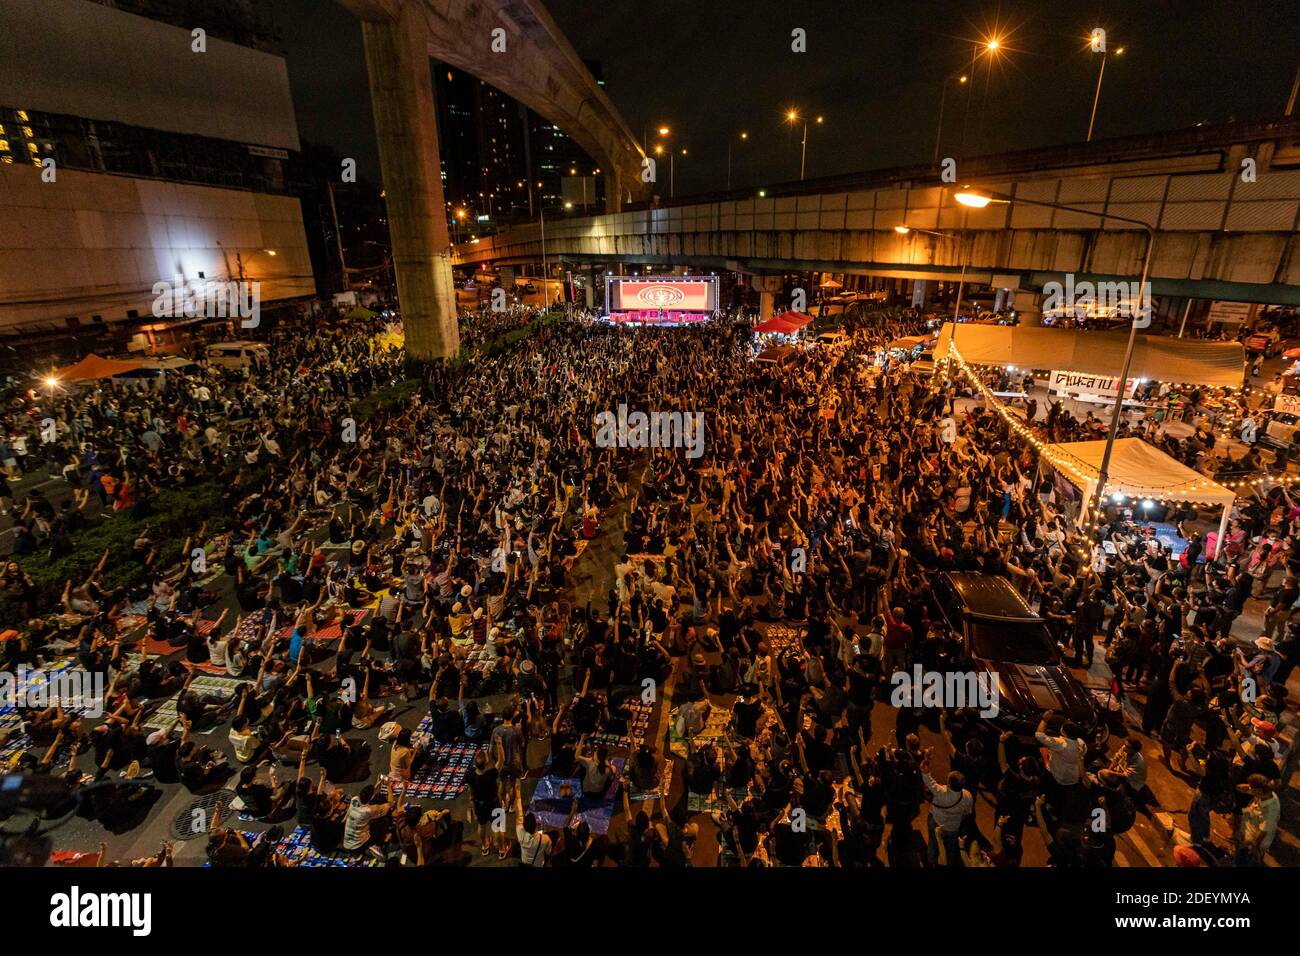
(832, 284)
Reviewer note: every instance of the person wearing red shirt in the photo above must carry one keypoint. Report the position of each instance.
(898, 640)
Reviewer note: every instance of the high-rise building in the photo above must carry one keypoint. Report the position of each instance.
(501, 162)
(141, 142)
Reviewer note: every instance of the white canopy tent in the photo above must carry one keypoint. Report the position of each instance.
(1158, 357)
(1137, 470)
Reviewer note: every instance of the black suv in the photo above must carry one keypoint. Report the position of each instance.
(1002, 635)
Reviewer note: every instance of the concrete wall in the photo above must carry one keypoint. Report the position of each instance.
(85, 59)
(94, 244)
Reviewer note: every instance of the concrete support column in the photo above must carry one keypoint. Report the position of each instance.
(613, 191)
(767, 288)
(1000, 301)
(1028, 306)
(922, 289)
(401, 94)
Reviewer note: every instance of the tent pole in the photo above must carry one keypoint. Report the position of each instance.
(1223, 530)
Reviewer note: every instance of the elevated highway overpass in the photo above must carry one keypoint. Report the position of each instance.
(1219, 234)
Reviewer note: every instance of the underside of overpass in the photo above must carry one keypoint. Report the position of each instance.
(515, 46)
(1219, 234)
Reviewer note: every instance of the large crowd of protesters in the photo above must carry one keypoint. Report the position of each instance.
(524, 583)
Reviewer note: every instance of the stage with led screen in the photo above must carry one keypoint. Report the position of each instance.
(661, 300)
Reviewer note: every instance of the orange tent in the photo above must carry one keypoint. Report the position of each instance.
(96, 366)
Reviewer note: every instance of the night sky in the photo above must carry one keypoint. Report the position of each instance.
(712, 68)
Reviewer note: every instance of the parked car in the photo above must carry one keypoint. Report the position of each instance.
(1002, 635)
(239, 355)
(1267, 340)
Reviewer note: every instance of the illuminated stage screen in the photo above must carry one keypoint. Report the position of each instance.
(670, 293)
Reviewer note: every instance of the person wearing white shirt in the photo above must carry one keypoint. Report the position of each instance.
(949, 806)
(1065, 753)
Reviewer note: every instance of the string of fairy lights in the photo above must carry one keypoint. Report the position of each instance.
(1080, 470)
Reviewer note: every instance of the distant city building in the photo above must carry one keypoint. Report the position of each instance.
(501, 162)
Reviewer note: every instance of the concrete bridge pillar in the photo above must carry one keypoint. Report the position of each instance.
(922, 290)
(767, 287)
(1028, 306)
(613, 191)
(401, 92)
(1000, 301)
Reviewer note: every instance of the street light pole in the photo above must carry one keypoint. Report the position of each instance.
(938, 136)
(1096, 97)
(978, 199)
(803, 154)
(546, 295)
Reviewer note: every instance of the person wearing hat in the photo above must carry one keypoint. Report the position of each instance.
(459, 623)
(1263, 665)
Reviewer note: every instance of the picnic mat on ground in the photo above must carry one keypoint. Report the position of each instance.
(330, 632)
(166, 716)
(443, 778)
(126, 623)
(637, 713)
(297, 847)
(782, 637)
(713, 732)
(26, 682)
(715, 800)
(665, 785)
(551, 808)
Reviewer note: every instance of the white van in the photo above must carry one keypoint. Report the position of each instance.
(832, 339)
(240, 355)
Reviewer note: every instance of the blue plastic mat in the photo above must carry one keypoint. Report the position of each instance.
(551, 807)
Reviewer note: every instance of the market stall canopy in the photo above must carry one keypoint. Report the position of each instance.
(1159, 357)
(832, 284)
(776, 355)
(908, 342)
(96, 366)
(1137, 470)
(786, 322)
